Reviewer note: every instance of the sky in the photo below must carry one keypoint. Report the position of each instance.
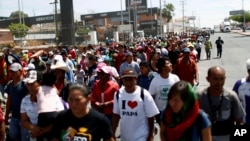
(208, 12)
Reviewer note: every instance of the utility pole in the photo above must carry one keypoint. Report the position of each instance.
(34, 12)
(151, 13)
(244, 17)
(23, 12)
(19, 10)
(56, 20)
(55, 17)
(121, 13)
(193, 20)
(129, 12)
(183, 17)
(160, 18)
(135, 20)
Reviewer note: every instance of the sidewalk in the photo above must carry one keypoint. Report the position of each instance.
(247, 33)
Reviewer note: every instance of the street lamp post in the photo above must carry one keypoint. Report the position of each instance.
(19, 12)
(129, 8)
(23, 12)
(244, 17)
(160, 18)
(55, 17)
(121, 13)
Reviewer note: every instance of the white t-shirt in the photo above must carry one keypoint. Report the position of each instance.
(80, 76)
(194, 52)
(159, 88)
(30, 108)
(114, 71)
(134, 112)
(48, 100)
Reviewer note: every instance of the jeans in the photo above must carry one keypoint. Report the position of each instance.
(199, 53)
(219, 51)
(17, 132)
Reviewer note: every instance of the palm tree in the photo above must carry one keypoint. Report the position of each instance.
(168, 13)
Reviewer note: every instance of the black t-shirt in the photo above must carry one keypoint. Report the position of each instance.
(219, 43)
(92, 127)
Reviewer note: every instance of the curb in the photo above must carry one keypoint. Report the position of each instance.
(246, 34)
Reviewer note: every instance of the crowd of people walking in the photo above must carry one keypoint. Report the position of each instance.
(71, 93)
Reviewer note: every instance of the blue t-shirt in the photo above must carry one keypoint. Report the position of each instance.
(242, 88)
(194, 132)
(16, 93)
(199, 125)
(144, 82)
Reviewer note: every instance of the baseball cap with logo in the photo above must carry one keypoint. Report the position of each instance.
(15, 67)
(33, 76)
(129, 73)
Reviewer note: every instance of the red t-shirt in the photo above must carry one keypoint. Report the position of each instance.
(118, 60)
(186, 71)
(109, 90)
(59, 86)
(73, 54)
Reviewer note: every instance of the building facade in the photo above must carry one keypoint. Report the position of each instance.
(137, 14)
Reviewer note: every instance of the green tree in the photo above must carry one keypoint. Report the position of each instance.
(15, 15)
(239, 18)
(168, 13)
(82, 31)
(18, 30)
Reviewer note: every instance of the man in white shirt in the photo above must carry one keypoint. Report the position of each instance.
(135, 108)
(161, 84)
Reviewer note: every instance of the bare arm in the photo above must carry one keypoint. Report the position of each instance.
(25, 122)
(2, 131)
(151, 129)
(196, 74)
(7, 109)
(111, 139)
(115, 121)
(206, 134)
(239, 121)
(162, 132)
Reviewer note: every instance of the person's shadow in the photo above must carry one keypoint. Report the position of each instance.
(216, 57)
(204, 59)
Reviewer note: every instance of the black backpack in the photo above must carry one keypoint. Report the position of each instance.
(118, 92)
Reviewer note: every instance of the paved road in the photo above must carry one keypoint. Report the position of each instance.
(236, 50)
(235, 53)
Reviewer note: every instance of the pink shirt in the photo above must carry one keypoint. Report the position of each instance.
(48, 100)
(83, 64)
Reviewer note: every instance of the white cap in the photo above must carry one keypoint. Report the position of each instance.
(30, 67)
(15, 67)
